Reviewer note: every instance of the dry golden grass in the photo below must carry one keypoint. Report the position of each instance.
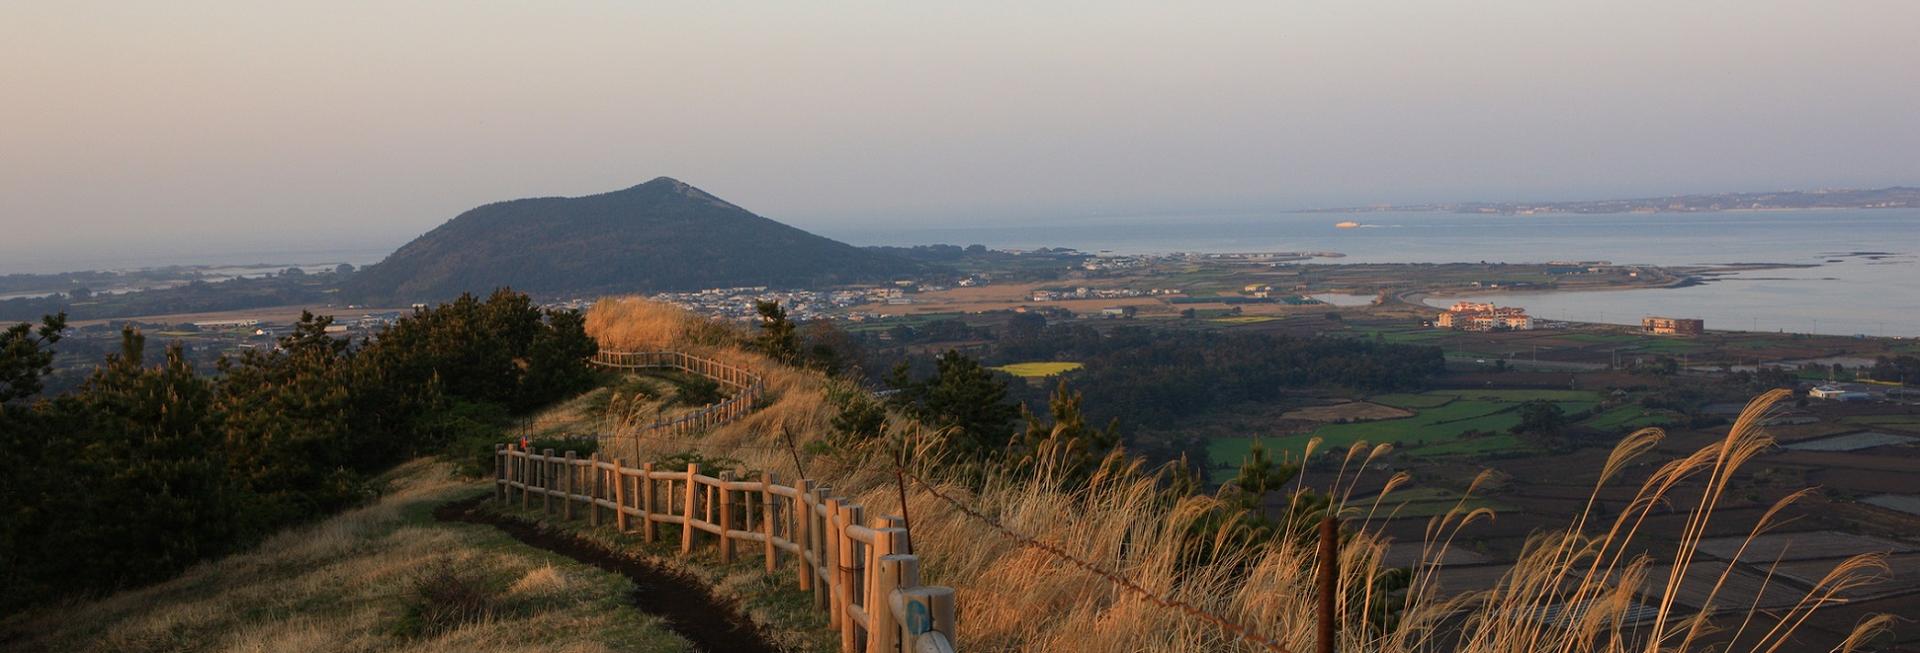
(346, 584)
(1017, 598)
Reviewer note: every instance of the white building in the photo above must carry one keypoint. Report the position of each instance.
(1837, 393)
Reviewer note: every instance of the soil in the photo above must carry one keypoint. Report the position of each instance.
(1356, 411)
(713, 624)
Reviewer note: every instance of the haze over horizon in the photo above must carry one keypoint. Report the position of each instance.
(211, 126)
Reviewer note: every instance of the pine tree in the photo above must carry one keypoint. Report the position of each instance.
(556, 360)
(1260, 474)
(26, 356)
(961, 396)
(158, 496)
(286, 420)
(1080, 447)
(777, 337)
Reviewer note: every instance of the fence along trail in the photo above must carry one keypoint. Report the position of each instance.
(861, 571)
(743, 389)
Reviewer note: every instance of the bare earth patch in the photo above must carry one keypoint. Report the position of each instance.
(1352, 411)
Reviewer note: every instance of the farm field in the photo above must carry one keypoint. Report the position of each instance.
(1349, 411)
(1409, 400)
(1434, 430)
(1911, 422)
(913, 320)
(1039, 368)
(1628, 416)
(1423, 502)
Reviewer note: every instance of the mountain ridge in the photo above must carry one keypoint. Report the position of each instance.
(661, 235)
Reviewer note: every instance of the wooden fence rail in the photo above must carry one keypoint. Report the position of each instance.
(743, 386)
(862, 573)
(861, 570)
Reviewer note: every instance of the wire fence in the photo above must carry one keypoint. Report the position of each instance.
(748, 385)
(1238, 630)
(862, 573)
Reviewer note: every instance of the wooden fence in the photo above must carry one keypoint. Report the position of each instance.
(861, 571)
(863, 574)
(744, 388)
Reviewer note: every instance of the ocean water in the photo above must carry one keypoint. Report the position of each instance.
(1857, 295)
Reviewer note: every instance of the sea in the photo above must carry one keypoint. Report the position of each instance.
(1864, 279)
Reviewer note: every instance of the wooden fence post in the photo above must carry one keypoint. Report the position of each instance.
(608, 475)
(708, 494)
(802, 532)
(512, 473)
(883, 633)
(905, 544)
(526, 478)
(500, 473)
(594, 487)
(686, 526)
(620, 495)
(766, 521)
(726, 516)
(905, 576)
(547, 482)
(569, 476)
(852, 563)
(822, 531)
(830, 537)
(646, 501)
(929, 610)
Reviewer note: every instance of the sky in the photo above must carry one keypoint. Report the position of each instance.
(149, 131)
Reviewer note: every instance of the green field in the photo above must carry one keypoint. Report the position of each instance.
(1598, 337)
(1628, 416)
(1409, 400)
(1244, 319)
(1039, 368)
(1670, 345)
(1434, 430)
(1895, 421)
(1403, 336)
(903, 320)
(1501, 394)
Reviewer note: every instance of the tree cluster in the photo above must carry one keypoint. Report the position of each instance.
(1904, 369)
(962, 396)
(146, 468)
(1157, 377)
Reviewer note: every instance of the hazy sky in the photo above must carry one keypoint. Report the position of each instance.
(172, 127)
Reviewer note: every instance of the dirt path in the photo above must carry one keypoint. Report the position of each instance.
(690, 609)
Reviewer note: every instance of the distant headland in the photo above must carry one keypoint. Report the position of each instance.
(1892, 197)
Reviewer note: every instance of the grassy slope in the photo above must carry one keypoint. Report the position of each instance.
(348, 584)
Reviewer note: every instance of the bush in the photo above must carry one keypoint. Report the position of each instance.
(447, 596)
(697, 390)
(711, 466)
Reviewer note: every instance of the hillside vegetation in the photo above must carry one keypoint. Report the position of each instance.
(384, 577)
(660, 235)
(150, 466)
(1210, 551)
(367, 580)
